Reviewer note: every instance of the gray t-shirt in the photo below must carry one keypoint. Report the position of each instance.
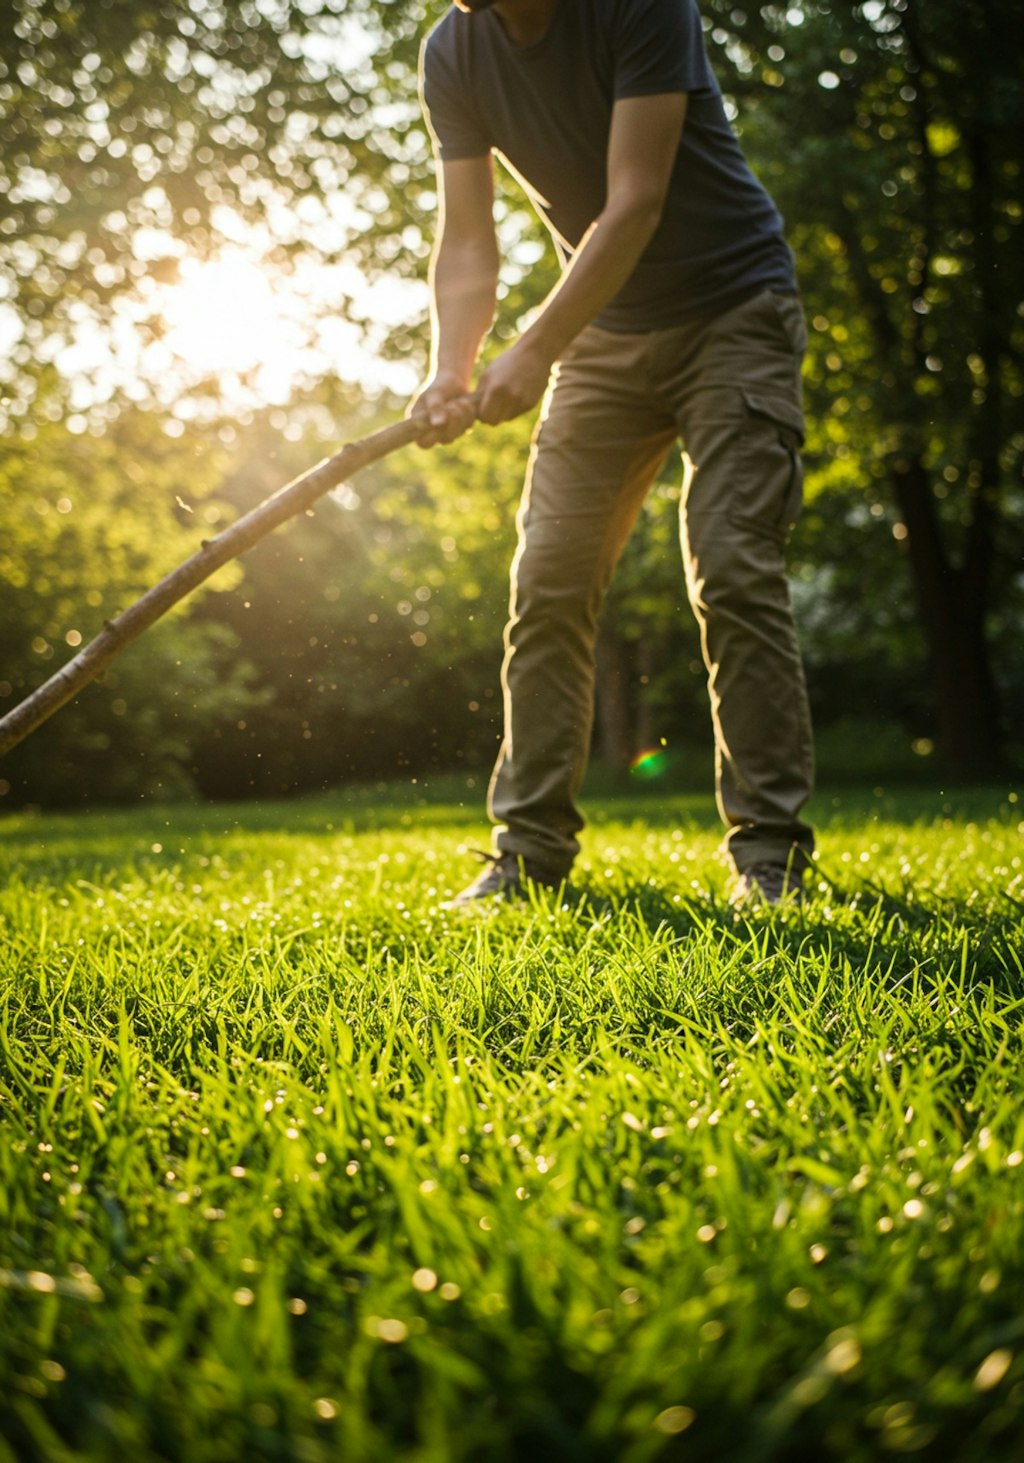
(546, 110)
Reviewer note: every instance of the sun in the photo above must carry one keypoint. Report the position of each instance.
(223, 316)
(260, 334)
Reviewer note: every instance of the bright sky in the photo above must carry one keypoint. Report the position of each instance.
(256, 330)
(259, 331)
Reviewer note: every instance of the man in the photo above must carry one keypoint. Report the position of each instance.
(676, 316)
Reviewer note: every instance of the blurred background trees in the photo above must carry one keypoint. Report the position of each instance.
(892, 142)
(140, 145)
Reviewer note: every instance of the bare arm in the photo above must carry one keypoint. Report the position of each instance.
(642, 147)
(463, 281)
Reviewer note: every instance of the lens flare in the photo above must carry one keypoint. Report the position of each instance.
(649, 764)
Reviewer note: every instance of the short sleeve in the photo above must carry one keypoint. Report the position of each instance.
(659, 47)
(447, 106)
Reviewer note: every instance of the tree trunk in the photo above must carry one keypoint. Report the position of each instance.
(953, 619)
(953, 601)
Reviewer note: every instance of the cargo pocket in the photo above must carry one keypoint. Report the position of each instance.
(768, 491)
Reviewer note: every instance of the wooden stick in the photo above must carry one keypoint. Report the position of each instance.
(118, 633)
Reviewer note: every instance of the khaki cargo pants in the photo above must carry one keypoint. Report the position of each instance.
(729, 387)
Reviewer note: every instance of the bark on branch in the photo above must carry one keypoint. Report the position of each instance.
(118, 633)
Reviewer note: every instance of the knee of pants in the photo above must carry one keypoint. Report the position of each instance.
(553, 581)
(730, 569)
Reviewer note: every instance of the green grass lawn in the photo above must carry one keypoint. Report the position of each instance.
(295, 1165)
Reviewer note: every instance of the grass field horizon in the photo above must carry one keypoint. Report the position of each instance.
(298, 1165)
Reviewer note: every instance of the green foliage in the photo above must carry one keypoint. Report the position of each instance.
(888, 132)
(911, 238)
(121, 127)
(92, 522)
(131, 139)
(377, 621)
(295, 1165)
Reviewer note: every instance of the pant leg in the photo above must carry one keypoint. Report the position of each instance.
(600, 441)
(740, 418)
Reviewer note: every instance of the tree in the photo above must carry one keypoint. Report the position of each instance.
(889, 131)
(130, 134)
(91, 522)
(375, 622)
(132, 137)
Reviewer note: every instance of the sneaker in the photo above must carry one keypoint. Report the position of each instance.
(505, 876)
(768, 884)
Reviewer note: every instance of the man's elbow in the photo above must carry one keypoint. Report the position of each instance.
(474, 249)
(460, 253)
(638, 210)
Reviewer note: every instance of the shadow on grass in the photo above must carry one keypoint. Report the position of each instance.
(913, 933)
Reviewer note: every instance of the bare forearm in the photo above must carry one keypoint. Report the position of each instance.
(642, 146)
(464, 282)
(607, 256)
(604, 261)
(463, 287)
